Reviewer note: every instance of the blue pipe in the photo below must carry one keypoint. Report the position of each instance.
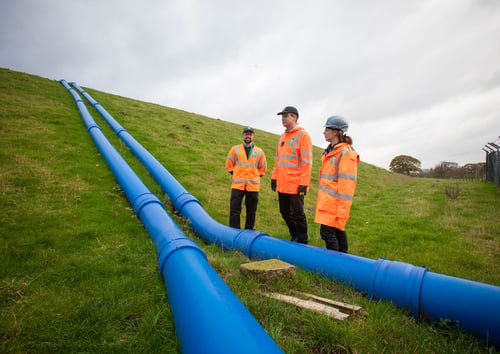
(208, 317)
(473, 306)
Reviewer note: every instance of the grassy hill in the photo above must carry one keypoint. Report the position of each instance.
(78, 272)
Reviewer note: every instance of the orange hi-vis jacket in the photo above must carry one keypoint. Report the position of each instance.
(337, 183)
(293, 164)
(246, 171)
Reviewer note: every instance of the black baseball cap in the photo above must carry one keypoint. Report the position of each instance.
(248, 129)
(289, 109)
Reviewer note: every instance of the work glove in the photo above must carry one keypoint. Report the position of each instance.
(273, 185)
(302, 190)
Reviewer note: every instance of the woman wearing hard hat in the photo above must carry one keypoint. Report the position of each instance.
(337, 184)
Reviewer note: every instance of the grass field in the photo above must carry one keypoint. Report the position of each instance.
(78, 272)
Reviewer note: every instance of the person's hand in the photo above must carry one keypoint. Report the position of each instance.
(302, 190)
(273, 185)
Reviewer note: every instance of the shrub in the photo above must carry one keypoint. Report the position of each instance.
(452, 192)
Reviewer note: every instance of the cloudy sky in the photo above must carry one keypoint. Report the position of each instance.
(413, 77)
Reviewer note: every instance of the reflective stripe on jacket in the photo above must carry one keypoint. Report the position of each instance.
(293, 164)
(246, 171)
(337, 183)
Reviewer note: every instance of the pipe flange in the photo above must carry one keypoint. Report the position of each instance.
(142, 200)
(244, 240)
(170, 247)
(182, 199)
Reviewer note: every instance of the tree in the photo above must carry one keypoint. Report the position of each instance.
(444, 169)
(405, 164)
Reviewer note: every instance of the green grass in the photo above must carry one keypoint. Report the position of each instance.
(78, 272)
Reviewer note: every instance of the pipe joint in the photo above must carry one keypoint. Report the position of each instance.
(244, 240)
(142, 200)
(182, 200)
(91, 126)
(176, 244)
(408, 277)
(121, 130)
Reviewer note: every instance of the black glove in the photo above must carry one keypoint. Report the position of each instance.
(273, 185)
(302, 190)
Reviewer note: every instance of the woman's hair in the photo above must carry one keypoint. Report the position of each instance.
(345, 138)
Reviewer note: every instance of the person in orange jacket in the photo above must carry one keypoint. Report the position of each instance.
(292, 173)
(247, 163)
(337, 183)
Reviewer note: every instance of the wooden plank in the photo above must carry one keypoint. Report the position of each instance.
(341, 305)
(309, 305)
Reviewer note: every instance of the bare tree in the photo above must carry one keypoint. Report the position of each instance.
(470, 171)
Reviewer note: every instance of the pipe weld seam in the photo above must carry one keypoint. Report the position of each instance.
(419, 274)
(174, 245)
(373, 276)
(398, 282)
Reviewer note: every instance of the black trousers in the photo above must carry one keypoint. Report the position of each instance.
(292, 211)
(335, 239)
(251, 201)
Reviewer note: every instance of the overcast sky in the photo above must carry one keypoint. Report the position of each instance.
(412, 77)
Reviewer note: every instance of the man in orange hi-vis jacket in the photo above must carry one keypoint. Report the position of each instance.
(247, 163)
(337, 183)
(292, 173)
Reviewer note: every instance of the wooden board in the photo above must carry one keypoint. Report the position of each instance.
(341, 305)
(309, 305)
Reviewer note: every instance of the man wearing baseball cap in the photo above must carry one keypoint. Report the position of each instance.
(247, 163)
(292, 173)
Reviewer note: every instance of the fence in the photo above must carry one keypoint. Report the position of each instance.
(493, 161)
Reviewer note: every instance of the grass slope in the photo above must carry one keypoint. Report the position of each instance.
(78, 272)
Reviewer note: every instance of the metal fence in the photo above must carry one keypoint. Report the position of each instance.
(493, 161)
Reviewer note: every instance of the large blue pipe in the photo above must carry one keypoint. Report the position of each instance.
(473, 306)
(208, 317)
